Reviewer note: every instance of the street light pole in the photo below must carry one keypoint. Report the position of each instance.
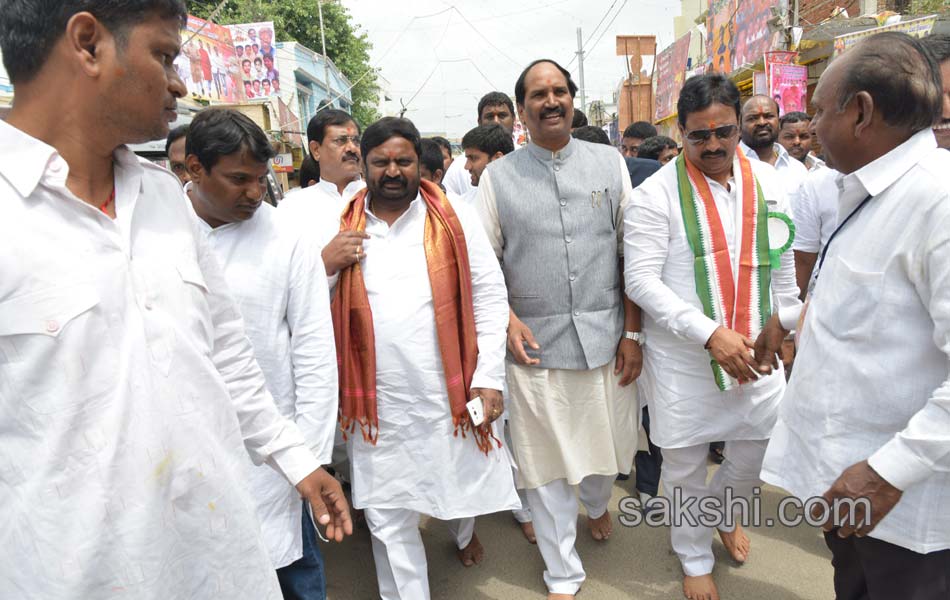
(580, 68)
(323, 43)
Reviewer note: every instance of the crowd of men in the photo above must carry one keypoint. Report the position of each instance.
(459, 336)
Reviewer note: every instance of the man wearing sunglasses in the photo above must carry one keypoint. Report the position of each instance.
(697, 263)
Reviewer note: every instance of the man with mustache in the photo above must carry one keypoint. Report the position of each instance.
(129, 392)
(759, 125)
(334, 142)
(494, 108)
(420, 329)
(796, 137)
(275, 274)
(697, 262)
(866, 418)
(939, 45)
(552, 213)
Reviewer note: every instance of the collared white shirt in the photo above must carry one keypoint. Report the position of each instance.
(457, 179)
(871, 379)
(276, 276)
(320, 206)
(686, 406)
(418, 463)
(816, 211)
(790, 170)
(813, 163)
(126, 386)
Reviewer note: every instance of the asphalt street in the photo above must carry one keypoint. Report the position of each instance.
(636, 563)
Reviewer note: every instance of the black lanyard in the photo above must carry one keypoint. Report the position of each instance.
(824, 251)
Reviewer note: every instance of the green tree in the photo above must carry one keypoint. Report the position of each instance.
(298, 20)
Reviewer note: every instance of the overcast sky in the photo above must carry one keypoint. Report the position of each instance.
(469, 47)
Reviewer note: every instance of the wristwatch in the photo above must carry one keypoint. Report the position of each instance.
(638, 336)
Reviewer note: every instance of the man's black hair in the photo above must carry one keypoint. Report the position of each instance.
(317, 128)
(652, 147)
(580, 119)
(519, 85)
(793, 117)
(489, 139)
(309, 170)
(218, 132)
(30, 28)
(702, 91)
(174, 135)
(246, 60)
(901, 76)
(442, 142)
(590, 133)
(388, 127)
(640, 130)
(939, 46)
(494, 99)
(431, 156)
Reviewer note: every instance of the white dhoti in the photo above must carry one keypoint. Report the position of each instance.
(685, 469)
(569, 428)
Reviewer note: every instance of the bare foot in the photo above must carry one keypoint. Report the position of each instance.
(527, 529)
(700, 588)
(560, 596)
(472, 554)
(601, 527)
(737, 543)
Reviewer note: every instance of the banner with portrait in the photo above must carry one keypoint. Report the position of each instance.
(257, 58)
(721, 35)
(789, 87)
(207, 64)
(670, 75)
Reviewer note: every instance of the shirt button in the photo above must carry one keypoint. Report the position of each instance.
(148, 305)
(563, 202)
(577, 313)
(52, 326)
(573, 277)
(567, 239)
(557, 168)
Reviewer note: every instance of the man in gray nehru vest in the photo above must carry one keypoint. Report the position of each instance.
(552, 212)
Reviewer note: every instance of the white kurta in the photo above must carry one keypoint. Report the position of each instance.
(126, 386)
(277, 278)
(791, 171)
(816, 211)
(871, 379)
(686, 406)
(457, 179)
(417, 462)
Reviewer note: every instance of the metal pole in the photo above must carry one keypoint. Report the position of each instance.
(323, 43)
(795, 15)
(580, 69)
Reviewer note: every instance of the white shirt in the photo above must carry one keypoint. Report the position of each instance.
(276, 276)
(791, 170)
(871, 377)
(686, 406)
(816, 211)
(126, 386)
(457, 179)
(418, 463)
(321, 205)
(813, 163)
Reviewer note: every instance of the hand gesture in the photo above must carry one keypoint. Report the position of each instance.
(329, 505)
(343, 250)
(731, 350)
(520, 334)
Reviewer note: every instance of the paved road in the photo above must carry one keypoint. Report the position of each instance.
(635, 564)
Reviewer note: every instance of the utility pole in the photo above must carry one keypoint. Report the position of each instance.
(323, 43)
(580, 68)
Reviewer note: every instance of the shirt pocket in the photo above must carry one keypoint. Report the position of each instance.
(850, 301)
(49, 344)
(195, 305)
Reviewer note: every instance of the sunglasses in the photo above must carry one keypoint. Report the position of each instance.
(700, 136)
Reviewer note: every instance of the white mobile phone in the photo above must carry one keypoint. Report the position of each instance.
(476, 410)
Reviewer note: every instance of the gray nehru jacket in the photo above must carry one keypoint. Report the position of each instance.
(554, 220)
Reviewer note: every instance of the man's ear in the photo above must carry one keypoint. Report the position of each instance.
(195, 168)
(439, 174)
(496, 156)
(314, 150)
(865, 117)
(520, 112)
(88, 41)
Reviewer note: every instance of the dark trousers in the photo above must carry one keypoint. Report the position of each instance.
(871, 569)
(304, 579)
(648, 463)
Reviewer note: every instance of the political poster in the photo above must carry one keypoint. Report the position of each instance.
(257, 57)
(789, 86)
(915, 27)
(670, 75)
(754, 36)
(206, 63)
(721, 35)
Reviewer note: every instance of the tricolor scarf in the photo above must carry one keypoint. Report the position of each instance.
(736, 300)
(451, 280)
